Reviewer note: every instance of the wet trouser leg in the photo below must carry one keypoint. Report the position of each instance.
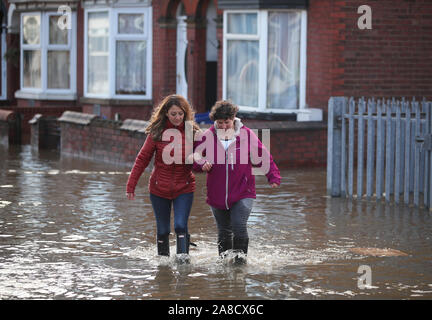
(223, 222)
(232, 225)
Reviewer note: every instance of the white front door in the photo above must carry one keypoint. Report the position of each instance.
(181, 56)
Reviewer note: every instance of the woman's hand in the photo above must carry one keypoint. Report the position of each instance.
(130, 196)
(193, 157)
(207, 166)
(274, 185)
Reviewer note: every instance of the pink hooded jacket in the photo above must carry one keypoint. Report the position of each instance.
(231, 178)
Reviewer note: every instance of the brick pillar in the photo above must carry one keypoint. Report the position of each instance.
(13, 65)
(196, 59)
(164, 53)
(219, 33)
(81, 34)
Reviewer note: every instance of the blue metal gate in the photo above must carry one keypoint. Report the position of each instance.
(380, 148)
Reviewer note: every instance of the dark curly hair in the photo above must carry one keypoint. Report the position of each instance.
(223, 109)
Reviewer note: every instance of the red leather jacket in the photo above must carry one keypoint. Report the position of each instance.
(166, 180)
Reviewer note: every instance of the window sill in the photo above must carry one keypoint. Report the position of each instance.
(20, 94)
(299, 115)
(90, 4)
(117, 102)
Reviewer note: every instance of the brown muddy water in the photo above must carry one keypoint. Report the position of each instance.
(67, 231)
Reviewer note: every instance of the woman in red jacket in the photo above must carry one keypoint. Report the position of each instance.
(172, 182)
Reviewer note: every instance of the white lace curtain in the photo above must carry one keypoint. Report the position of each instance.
(56, 70)
(283, 60)
(131, 67)
(283, 66)
(130, 55)
(243, 60)
(98, 37)
(58, 60)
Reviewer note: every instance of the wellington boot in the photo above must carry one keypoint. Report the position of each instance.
(163, 245)
(240, 248)
(183, 242)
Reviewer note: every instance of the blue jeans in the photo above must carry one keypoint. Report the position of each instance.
(162, 210)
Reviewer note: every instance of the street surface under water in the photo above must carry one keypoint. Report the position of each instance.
(67, 231)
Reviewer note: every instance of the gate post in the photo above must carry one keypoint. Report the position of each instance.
(334, 146)
(428, 192)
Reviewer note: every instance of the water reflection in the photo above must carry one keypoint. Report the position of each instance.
(68, 232)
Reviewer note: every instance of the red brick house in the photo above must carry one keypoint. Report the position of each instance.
(279, 60)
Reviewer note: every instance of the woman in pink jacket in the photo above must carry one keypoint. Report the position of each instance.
(227, 152)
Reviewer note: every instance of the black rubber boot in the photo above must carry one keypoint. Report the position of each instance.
(183, 242)
(224, 245)
(163, 245)
(240, 247)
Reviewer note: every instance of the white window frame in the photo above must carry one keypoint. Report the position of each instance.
(113, 37)
(44, 47)
(3, 95)
(262, 38)
(86, 94)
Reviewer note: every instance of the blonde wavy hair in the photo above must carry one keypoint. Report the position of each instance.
(159, 115)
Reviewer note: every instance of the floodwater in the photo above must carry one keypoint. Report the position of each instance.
(67, 231)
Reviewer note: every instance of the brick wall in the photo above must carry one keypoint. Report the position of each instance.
(293, 145)
(101, 140)
(299, 148)
(4, 133)
(8, 128)
(320, 43)
(12, 72)
(196, 66)
(164, 53)
(141, 112)
(219, 34)
(27, 113)
(391, 59)
(45, 132)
